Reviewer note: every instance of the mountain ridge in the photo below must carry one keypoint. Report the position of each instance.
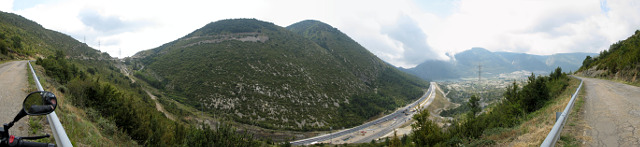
(308, 76)
(465, 64)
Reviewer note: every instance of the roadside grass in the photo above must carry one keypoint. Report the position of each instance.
(440, 103)
(5, 61)
(574, 133)
(568, 141)
(609, 78)
(82, 127)
(34, 125)
(537, 125)
(637, 84)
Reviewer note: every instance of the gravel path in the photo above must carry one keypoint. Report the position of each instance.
(612, 112)
(13, 81)
(159, 106)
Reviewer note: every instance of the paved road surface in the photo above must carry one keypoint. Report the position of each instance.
(401, 119)
(612, 111)
(398, 117)
(13, 82)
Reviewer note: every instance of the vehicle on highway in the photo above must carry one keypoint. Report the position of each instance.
(36, 103)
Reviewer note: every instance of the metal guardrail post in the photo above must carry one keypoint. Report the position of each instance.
(59, 134)
(554, 135)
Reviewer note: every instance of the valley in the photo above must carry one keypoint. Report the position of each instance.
(250, 82)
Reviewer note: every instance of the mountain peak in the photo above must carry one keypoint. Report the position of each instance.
(312, 21)
(312, 25)
(479, 49)
(226, 26)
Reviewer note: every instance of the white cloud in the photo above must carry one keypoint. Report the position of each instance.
(538, 27)
(6, 5)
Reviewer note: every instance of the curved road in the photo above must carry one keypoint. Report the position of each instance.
(401, 119)
(398, 117)
(612, 112)
(13, 82)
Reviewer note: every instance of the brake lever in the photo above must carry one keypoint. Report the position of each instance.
(36, 137)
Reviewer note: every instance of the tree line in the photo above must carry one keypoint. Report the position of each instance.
(623, 55)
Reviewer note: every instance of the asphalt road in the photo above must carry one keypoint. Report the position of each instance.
(13, 82)
(398, 117)
(401, 119)
(612, 112)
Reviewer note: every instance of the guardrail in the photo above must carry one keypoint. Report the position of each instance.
(553, 136)
(59, 134)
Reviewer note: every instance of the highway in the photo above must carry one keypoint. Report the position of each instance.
(397, 117)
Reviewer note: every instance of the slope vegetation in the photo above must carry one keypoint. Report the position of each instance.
(98, 105)
(620, 61)
(309, 76)
(21, 38)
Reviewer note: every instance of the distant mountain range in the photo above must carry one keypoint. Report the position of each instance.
(467, 63)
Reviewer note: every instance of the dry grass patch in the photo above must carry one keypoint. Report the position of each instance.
(574, 133)
(440, 103)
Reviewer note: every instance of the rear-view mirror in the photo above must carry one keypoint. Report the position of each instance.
(40, 103)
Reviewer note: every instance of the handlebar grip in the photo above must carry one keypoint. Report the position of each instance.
(35, 144)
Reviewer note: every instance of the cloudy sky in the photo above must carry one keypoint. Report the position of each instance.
(401, 32)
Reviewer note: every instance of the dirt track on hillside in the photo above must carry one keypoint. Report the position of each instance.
(159, 106)
(13, 81)
(612, 112)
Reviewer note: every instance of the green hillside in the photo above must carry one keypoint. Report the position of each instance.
(310, 78)
(97, 104)
(21, 38)
(620, 61)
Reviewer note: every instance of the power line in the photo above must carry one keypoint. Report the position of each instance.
(479, 72)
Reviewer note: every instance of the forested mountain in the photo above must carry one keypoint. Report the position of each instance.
(21, 38)
(620, 61)
(465, 64)
(308, 76)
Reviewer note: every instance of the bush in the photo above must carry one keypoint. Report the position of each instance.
(4, 47)
(115, 106)
(425, 132)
